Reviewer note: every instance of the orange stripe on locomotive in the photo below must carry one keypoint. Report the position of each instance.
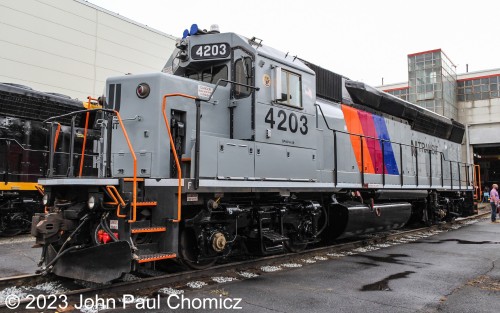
(355, 128)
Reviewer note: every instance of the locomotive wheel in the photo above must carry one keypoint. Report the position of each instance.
(16, 224)
(189, 251)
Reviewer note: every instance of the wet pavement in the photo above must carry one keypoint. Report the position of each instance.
(453, 271)
(17, 255)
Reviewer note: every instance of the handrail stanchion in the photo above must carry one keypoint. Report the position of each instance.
(383, 161)
(402, 171)
(362, 163)
(467, 174)
(451, 176)
(174, 152)
(197, 146)
(56, 137)
(50, 171)
(84, 143)
(477, 178)
(416, 164)
(71, 169)
(430, 168)
(134, 158)
(335, 171)
(442, 169)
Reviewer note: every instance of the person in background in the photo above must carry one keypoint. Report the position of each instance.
(494, 202)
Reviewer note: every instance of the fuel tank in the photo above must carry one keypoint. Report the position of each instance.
(349, 219)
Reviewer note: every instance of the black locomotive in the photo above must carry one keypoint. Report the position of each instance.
(24, 150)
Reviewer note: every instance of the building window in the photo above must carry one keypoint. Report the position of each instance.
(400, 93)
(291, 89)
(478, 88)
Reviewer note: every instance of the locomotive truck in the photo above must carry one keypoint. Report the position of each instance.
(236, 148)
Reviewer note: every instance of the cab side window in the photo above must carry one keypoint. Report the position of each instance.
(291, 89)
(243, 75)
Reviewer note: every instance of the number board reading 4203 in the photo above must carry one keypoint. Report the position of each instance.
(210, 51)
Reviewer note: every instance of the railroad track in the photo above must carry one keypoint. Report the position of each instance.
(150, 285)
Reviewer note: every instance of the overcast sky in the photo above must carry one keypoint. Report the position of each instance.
(362, 39)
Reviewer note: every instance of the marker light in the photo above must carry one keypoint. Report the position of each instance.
(142, 90)
(181, 44)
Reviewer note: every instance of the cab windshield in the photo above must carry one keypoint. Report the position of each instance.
(210, 74)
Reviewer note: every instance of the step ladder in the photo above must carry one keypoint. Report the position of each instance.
(270, 240)
(154, 229)
(147, 252)
(155, 257)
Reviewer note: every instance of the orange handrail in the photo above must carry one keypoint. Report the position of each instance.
(84, 143)
(40, 189)
(134, 179)
(118, 200)
(56, 137)
(134, 158)
(89, 106)
(172, 147)
(477, 182)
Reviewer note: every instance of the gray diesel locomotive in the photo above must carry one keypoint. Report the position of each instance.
(236, 148)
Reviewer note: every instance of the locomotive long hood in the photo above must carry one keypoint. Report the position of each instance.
(23, 102)
(420, 119)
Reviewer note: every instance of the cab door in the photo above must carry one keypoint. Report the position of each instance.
(285, 134)
(242, 117)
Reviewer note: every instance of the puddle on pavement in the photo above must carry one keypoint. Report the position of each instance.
(468, 242)
(383, 285)
(462, 242)
(390, 258)
(366, 263)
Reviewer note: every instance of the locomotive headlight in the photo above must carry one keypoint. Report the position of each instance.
(183, 55)
(45, 199)
(91, 202)
(142, 90)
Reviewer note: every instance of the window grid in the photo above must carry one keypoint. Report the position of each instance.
(432, 83)
(473, 89)
(400, 93)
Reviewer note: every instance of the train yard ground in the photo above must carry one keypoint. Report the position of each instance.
(456, 270)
